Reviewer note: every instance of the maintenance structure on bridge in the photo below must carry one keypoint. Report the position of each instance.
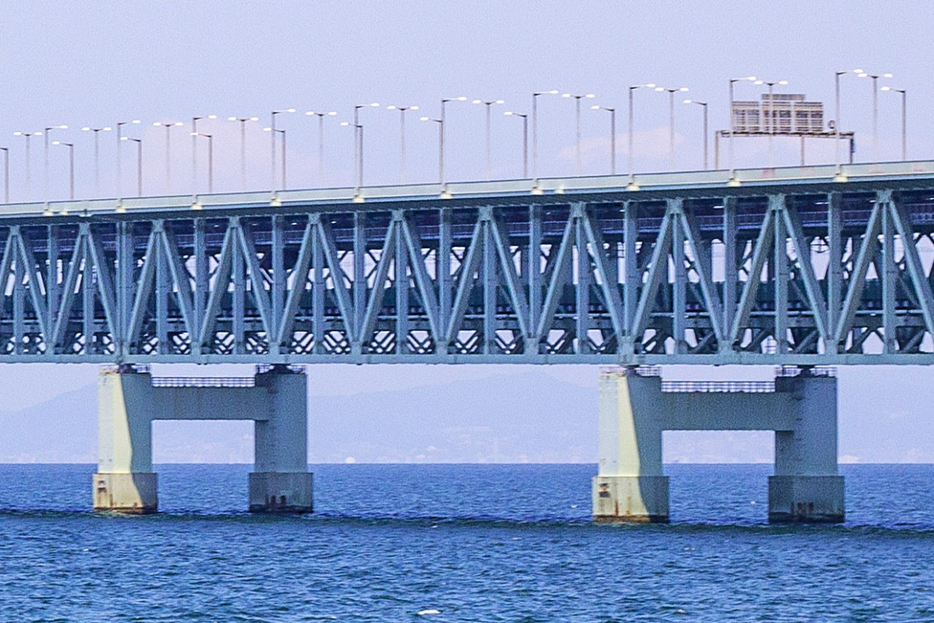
(804, 267)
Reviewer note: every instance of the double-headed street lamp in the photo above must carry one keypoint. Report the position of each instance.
(168, 125)
(771, 116)
(27, 136)
(489, 134)
(358, 142)
(633, 89)
(243, 121)
(671, 123)
(71, 167)
(441, 128)
(875, 110)
(535, 96)
(704, 105)
(45, 141)
(321, 116)
(194, 151)
(904, 118)
(612, 112)
(275, 131)
(119, 125)
(525, 140)
(97, 154)
(272, 146)
(402, 110)
(577, 108)
(139, 162)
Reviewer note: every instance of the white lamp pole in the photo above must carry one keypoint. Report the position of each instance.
(27, 136)
(904, 118)
(97, 158)
(139, 163)
(321, 116)
(535, 131)
(119, 125)
(440, 123)
(577, 109)
(45, 140)
(402, 110)
(243, 121)
(272, 143)
(71, 167)
(195, 136)
(704, 105)
(489, 135)
(733, 122)
(612, 112)
(168, 151)
(525, 140)
(632, 89)
(282, 133)
(194, 150)
(875, 111)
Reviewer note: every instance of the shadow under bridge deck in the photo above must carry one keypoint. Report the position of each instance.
(800, 266)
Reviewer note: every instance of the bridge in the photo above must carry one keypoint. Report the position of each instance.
(795, 267)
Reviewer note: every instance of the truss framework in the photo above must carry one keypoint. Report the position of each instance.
(780, 278)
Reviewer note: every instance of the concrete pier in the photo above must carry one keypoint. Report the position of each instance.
(130, 400)
(636, 407)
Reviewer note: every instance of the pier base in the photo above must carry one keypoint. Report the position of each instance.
(126, 493)
(272, 492)
(630, 499)
(806, 499)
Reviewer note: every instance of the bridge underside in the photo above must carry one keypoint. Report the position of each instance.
(783, 273)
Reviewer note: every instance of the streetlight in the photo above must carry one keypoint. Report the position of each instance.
(525, 140)
(402, 110)
(119, 126)
(875, 110)
(321, 116)
(612, 112)
(243, 121)
(577, 105)
(358, 141)
(535, 131)
(27, 136)
(194, 151)
(168, 125)
(210, 137)
(45, 141)
(771, 117)
(671, 124)
(272, 145)
(632, 89)
(489, 135)
(442, 127)
(6, 174)
(71, 167)
(440, 123)
(836, 122)
(733, 121)
(97, 169)
(139, 163)
(904, 119)
(282, 132)
(704, 105)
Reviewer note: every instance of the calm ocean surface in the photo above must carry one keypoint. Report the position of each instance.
(473, 542)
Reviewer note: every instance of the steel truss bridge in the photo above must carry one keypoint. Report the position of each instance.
(782, 266)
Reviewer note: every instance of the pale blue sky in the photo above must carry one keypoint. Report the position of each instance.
(96, 63)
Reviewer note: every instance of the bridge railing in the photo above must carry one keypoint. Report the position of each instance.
(194, 381)
(719, 387)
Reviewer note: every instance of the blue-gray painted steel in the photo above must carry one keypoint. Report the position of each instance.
(783, 266)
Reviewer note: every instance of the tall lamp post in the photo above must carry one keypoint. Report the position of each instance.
(612, 112)
(875, 110)
(71, 167)
(6, 174)
(402, 110)
(97, 156)
(771, 116)
(671, 124)
(168, 125)
(321, 116)
(836, 122)
(119, 125)
(210, 137)
(358, 141)
(272, 145)
(194, 150)
(535, 97)
(139, 163)
(904, 118)
(489, 135)
(45, 141)
(281, 132)
(243, 121)
(704, 106)
(733, 122)
(440, 123)
(27, 136)
(633, 89)
(525, 140)
(577, 109)
(442, 127)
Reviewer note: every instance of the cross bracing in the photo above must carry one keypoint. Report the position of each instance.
(774, 271)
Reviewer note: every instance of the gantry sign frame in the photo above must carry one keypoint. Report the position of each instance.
(673, 268)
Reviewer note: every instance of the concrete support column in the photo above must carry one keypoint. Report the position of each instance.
(630, 486)
(280, 481)
(124, 480)
(806, 486)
